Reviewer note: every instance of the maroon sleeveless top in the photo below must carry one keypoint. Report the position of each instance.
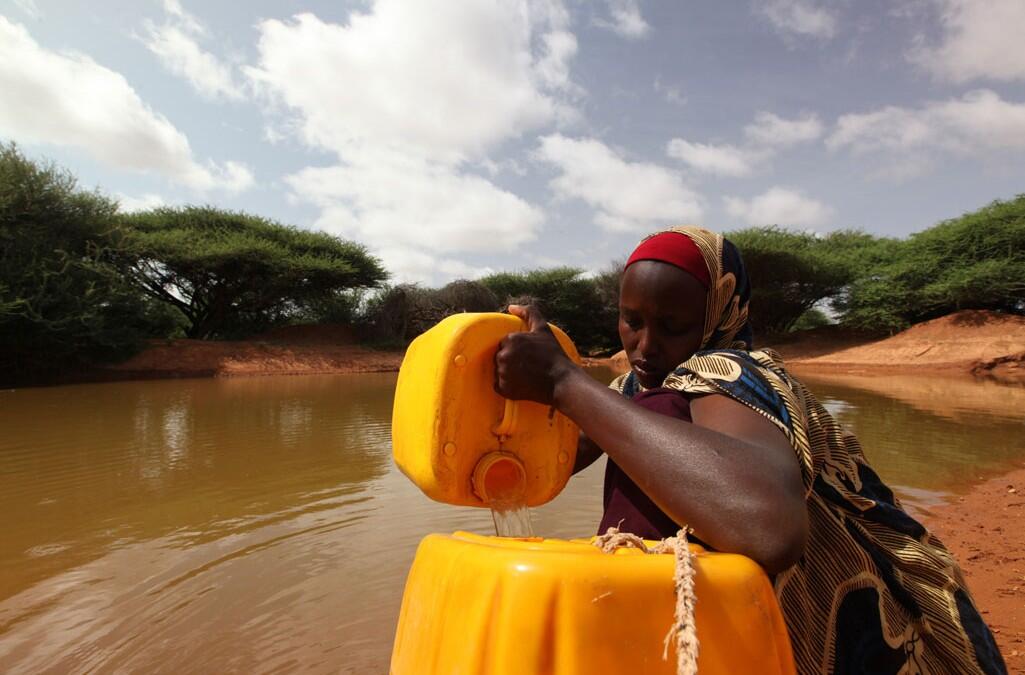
(624, 500)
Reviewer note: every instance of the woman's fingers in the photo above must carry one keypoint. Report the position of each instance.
(532, 316)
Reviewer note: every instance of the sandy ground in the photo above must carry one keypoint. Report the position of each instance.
(291, 350)
(975, 342)
(985, 530)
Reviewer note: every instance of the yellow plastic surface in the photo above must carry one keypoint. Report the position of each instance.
(447, 414)
(486, 605)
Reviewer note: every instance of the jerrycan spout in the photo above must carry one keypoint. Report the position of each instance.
(500, 479)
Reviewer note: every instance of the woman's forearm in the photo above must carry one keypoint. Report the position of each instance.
(733, 494)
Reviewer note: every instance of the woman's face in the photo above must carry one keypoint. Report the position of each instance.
(661, 318)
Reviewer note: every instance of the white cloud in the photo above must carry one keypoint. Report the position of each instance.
(408, 265)
(798, 18)
(443, 80)
(771, 130)
(629, 196)
(146, 202)
(68, 99)
(412, 97)
(560, 46)
(176, 46)
(978, 124)
(779, 206)
(401, 202)
(982, 39)
(765, 136)
(724, 160)
(625, 19)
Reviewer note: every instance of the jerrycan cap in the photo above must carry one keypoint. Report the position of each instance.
(499, 478)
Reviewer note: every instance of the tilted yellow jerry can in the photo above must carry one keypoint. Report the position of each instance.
(455, 437)
(501, 606)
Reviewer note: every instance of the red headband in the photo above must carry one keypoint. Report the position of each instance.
(676, 249)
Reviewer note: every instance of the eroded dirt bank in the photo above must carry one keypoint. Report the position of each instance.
(985, 530)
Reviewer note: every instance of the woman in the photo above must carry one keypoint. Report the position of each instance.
(707, 434)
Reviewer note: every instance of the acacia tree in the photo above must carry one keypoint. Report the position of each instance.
(232, 273)
(793, 271)
(976, 261)
(63, 299)
(568, 299)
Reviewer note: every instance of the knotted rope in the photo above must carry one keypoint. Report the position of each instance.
(683, 632)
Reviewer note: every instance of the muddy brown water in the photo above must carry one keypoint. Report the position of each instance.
(259, 524)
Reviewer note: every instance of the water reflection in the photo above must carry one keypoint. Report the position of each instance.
(259, 524)
(929, 437)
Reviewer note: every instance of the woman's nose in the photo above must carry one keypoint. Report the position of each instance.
(647, 345)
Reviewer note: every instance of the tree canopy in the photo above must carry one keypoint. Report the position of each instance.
(232, 273)
(63, 299)
(574, 302)
(976, 261)
(792, 271)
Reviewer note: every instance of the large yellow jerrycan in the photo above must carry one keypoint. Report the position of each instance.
(460, 441)
(481, 605)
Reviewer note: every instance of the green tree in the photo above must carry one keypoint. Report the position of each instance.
(63, 300)
(231, 274)
(398, 314)
(976, 261)
(569, 299)
(792, 271)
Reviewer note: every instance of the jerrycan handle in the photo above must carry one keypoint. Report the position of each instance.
(507, 424)
(505, 427)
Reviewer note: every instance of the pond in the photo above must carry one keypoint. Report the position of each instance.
(259, 524)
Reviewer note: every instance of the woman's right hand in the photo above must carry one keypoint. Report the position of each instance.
(529, 365)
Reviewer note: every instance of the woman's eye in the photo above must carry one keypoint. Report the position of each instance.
(676, 328)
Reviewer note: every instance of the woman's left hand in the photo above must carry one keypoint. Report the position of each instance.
(528, 365)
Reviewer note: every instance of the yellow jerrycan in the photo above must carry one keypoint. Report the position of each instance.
(461, 442)
(484, 605)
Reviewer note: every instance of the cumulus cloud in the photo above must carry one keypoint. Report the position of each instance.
(381, 80)
(175, 43)
(628, 196)
(765, 136)
(978, 124)
(779, 206)
(411, 122)
(397, 201)
(981, 40)
(772, 130)
(408, 265)
(625, 19)
(70, 100)
(724, 160)
(798, 18)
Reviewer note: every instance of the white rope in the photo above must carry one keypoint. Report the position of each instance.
(683, 631)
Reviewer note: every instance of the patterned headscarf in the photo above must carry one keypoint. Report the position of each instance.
(729, 291)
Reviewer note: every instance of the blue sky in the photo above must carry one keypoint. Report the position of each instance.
(460, 137)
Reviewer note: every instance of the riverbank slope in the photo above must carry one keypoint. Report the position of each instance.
(983, 529)
(965, 343)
